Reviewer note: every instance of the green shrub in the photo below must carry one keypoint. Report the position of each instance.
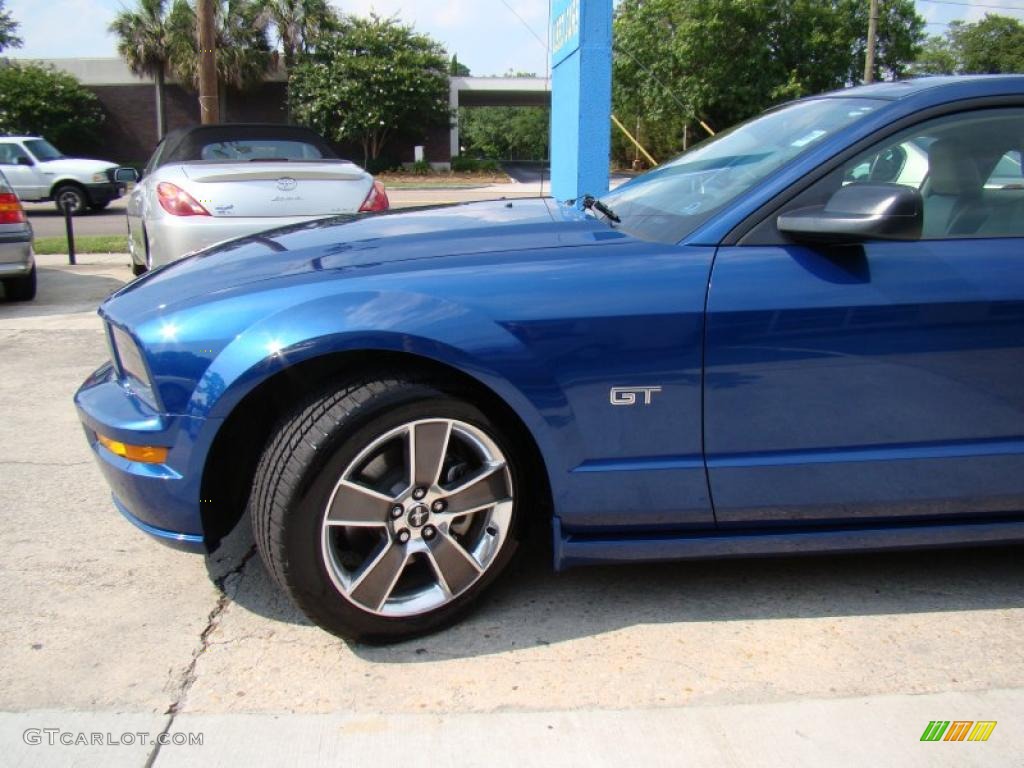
(421, 168)
(41, 101)
(465, 164)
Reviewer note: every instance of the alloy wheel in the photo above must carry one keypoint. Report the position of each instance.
(417, 517)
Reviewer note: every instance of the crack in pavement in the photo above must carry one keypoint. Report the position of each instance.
(188, 677)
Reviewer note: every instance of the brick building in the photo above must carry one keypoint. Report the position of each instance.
(128, 101)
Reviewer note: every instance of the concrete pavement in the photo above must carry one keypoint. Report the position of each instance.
(811, 733)
(798, 661)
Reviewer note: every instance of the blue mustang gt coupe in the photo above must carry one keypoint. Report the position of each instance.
(805, 335)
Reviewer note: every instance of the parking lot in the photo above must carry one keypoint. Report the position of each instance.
(837, 661)
(47, 222)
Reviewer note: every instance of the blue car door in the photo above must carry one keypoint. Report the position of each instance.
(881, 380)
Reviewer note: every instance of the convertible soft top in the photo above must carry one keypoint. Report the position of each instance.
(186, 144)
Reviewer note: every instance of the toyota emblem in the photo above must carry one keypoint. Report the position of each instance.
(287, 184)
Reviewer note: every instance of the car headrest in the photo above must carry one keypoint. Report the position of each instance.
(951, 169)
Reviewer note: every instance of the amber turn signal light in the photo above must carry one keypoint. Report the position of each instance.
(146, 454)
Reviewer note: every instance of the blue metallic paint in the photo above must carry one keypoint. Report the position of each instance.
(905, 360)
(549, 308)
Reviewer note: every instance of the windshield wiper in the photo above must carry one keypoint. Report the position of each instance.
(591, 202)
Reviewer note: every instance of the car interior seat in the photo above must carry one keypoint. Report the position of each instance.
(953, 202)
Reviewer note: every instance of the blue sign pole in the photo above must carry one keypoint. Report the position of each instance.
(581, 97)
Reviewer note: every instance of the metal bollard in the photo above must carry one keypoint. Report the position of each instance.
(70, 229)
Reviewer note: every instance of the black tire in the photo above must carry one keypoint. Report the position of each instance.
(296, 477)
(99, 206)
(21, 288)
(73, 196)
(139, 269)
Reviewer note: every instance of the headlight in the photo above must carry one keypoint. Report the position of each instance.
(100, 178)
(131, 365)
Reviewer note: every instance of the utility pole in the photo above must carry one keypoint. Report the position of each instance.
(209, 104)
(869, 59)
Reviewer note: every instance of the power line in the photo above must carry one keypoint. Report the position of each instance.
(537, 37)
(975, 5)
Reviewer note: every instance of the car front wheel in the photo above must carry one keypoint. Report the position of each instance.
(386, 508)
(72, 198)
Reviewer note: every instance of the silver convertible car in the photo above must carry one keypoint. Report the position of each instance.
(210, 183)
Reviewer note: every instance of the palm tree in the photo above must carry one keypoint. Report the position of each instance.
(298, 24)
(8, 30)
(243, 49)
(145, 42)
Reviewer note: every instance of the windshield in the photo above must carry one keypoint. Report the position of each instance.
(671, 201)
(43, 150)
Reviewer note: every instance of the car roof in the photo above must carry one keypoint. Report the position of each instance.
(184, 144)
(19, 138)
(935, 85)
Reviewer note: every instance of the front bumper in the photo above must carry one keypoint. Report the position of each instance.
(161, 499)
(172, 237)
(100, 194)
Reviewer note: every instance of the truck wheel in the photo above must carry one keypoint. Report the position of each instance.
(21, 288)
(70, 196)
(386, 508)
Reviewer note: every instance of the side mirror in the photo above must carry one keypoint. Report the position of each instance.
(24, 160)
(126, 175)
(858, 212)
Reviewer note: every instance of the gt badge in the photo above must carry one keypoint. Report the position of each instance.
(630, 395)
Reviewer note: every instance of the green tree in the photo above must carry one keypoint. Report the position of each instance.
(41, 101)
(145, 42)
(243, 46)
(900, 36)
(505, 133)
(456, 68)
(299, 24)
(8, 29)
(990, 46)
(678, 63)
(936, 58)
(375, 79)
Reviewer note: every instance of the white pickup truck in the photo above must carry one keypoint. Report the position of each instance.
(38, 171)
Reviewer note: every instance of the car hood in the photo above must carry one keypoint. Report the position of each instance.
(354, 245)
(72, 166)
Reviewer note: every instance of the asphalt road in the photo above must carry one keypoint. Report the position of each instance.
(47, 222)
(838, 661)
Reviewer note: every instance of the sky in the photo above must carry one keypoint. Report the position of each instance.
(486, 34)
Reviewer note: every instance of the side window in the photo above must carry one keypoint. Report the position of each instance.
(154, 161)
(966, 166)
(889, 165)
(9, 154)
(1008, 173)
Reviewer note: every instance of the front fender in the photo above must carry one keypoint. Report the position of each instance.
(392, 321)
